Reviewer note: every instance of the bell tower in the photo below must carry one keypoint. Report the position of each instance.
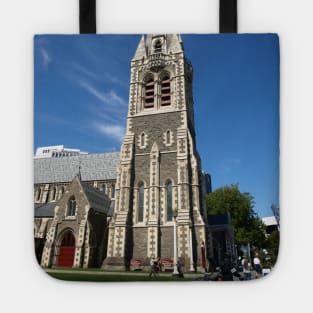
(159, 173)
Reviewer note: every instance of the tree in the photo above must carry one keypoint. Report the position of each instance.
(247, 226)
(272, 245)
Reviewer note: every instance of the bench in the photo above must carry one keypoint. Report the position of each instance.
(167, 264)
(136, 264)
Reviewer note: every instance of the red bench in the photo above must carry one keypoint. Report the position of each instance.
(136, 264)
(167, 264)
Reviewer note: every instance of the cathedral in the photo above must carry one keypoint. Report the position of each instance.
(107, 209)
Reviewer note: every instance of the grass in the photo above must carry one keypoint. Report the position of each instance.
(113, 278)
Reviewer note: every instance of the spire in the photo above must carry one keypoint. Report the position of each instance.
(141, 49)
(170, 43)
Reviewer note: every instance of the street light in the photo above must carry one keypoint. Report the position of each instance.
(175, 271)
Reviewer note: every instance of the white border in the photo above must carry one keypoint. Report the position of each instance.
(25, 286)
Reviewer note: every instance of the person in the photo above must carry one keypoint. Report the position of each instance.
(246, 265)
(152, 266)
(228, 270)
(158, 265)
(257, 265)
(180, 273)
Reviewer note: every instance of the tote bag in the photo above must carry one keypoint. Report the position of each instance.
(156, 155)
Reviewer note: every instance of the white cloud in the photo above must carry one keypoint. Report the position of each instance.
(111, 131)
(46, 58)
(110, 98)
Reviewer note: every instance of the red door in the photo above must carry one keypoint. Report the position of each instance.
(67, 250)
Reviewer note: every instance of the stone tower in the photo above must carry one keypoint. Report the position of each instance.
(159, 173)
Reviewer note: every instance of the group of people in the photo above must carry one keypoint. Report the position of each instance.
(155, 267)
(227, 271)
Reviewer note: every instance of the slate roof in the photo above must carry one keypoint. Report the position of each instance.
(96, 166)
(44, 209)
(97, 200)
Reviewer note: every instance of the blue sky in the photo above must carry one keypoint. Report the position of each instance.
(81, 100)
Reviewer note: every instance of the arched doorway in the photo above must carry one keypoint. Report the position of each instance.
(67, 250)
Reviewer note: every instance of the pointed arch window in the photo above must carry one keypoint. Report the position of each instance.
(54, 193)
(142, 140)
(48, 196)
(168, 137)
(38, 194)
(169, 201)
(61, 192)
(158, 46)
(149, 94)
(141, 199)
(165, 91)
(71, 207)
(113, 191)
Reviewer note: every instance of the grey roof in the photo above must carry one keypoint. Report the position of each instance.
(97, 166)
(44, 209)
(99, 201)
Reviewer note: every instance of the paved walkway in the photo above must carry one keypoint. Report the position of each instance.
(126, 273)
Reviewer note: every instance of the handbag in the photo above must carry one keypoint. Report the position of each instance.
(174, 159)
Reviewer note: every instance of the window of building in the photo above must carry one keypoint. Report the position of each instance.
(48, 196)
(165, 91)
(149, 94)
(158, 46)
(102, 188)
(113, 191)
(71, 207)
(38, 194)
(169, 201)
(61, 192)
(141, 197)
(142, 140)
(168, 137)
(54, 193)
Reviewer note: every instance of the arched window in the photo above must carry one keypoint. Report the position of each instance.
(71, 207)
(169, 201)
(158, 46)
(142, 140)
(38, 194)
(141, 197)
(48, 196)
(149, 94)
(54, 193)
(61, 192)
(168, 137)
(113, 191)
(165, 91)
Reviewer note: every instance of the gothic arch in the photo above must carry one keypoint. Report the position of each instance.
(71, 206)
(169, 200)
(38, 194)
(165, 89)
(54, 193)
(66, 245)
(148, 91)
(140, 205)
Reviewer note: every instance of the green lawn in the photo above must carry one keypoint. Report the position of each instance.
(113, 278)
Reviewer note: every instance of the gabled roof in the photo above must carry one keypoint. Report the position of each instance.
(97, 166)
(44, 209)
(97, 200)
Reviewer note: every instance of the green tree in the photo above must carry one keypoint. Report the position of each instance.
(272, 245)
(247, 226)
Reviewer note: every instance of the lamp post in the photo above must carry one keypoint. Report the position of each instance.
(175, 271)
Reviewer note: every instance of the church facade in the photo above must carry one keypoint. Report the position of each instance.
(155, 181)
(159, 176)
